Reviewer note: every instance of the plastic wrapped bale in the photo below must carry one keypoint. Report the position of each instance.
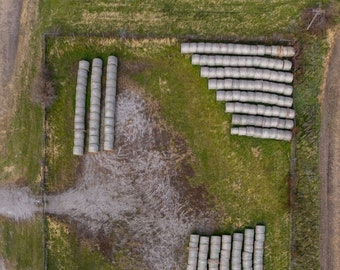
(193, 251)
(250, 73)
(95, 103)
(80, 111)
(203, 253)
(110, 102)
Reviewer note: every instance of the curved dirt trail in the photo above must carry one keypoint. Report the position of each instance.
(330, 164)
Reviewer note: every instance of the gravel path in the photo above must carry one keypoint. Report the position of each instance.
(17, 203)
(330, 164)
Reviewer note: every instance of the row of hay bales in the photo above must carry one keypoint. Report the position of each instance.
(235, 252)
(250, 85)
(238, 49)
(254, 97)
(94, 122)
(249, 73)
(254, 85)
(80, 105)
(110, 103)
(240, 61)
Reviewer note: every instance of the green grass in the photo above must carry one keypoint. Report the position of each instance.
(204, 18)
(65, 251)
(307, 209)
(24, 145)
(21, 243)
(246, 179)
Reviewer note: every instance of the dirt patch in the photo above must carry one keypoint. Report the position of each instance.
(317, 20)
(18, 203)
(137, 198)
(330, 163)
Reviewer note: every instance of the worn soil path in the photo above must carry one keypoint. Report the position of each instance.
(330, 163)
(10, 12)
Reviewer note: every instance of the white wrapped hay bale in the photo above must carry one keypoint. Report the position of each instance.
(263, 133)
(247, 73)
(110, 103)
(237, 49)
(193, 251)
(241, 61)
(95, 103)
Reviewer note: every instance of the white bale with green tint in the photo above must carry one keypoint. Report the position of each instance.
(240, 61)
(193, 251)
(246, 73)
(264, 133)
(215, 247)
(254, 97)
(110, 102)
(203, 253)
(252, 85)
(261, 121)
(238, 49)
(95, 103)
(257, 109)
(80, 110)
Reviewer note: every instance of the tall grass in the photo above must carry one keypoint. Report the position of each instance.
(246, 178)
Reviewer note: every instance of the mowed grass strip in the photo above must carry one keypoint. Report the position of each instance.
(246, 178)
(306, 213)
(21, 243)
(204, 18)
(22, 160)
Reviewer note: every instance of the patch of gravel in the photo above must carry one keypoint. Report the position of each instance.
(18, 203)
(138, 194)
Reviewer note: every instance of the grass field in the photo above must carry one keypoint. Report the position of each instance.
(24, 145)
(307, 208)
(224, 165)
(21, 243)
(167, 18)
(244, 182)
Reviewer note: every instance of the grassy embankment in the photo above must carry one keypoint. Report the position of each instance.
(21, 242)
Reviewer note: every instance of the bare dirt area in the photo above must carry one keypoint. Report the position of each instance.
(330, 162)
(17, 18)
(137, 197)
(18, 203)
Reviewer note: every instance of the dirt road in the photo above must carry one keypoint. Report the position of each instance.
(330, 164)
(10, 11)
